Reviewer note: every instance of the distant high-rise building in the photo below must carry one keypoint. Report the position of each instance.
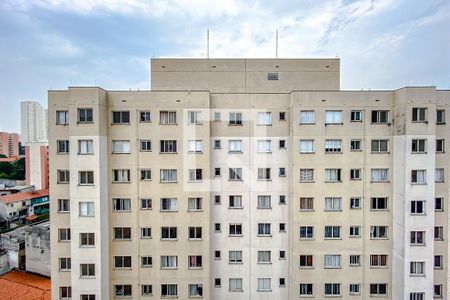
(33, 119)
(9, 144)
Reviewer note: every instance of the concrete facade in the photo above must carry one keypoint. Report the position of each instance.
(33, 122)
(9, 144)
(299, 189)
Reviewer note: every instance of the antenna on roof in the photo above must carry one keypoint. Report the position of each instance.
(207, 43)
(276, 45)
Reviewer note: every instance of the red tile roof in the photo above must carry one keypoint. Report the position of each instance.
(17, 285)
(23, 196)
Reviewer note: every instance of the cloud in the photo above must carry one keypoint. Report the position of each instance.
(59, 46)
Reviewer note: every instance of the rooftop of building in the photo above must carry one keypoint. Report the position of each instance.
(17, 285)
(23, 196)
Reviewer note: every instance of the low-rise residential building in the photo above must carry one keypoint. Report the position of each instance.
(20, 205)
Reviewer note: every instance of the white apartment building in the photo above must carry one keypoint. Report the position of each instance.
(249, 179)
(33, 122)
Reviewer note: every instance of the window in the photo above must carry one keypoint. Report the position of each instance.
(235, 173)
(439, 175)
(235, 146)
(263, 173)
(168, 204)
(438, 260)
(264, 201)
(417, 296)
(282, 144)
(419, 114)
(332, 232)
(235, 257)
(306, 261)
(146, 289)
(168, 146)
(63, 147)
(195, 117)
(217, 200)
(282, 254)
(272, 76)
(307, 117)
(169, 262)
(122, 290)
(235, 284)
(418, 207)
(438, 290)
(265, 118)
(195, 233)
(65, 292)
(440, 116)
(264, 146)
(332, 261)
(380, 116)
(195, 175)
(65, 263)
(355, 174)
(355, 145)
(282, 227)
(355, 231)
(87, 239)
(87, 297)
(379, 175)
(235, 230)
(282, 200)
(87, 270)
(378, 260)
(85, 115)
(332, 289)
(333, 146)
(333, 203)
(379, 146)
(440, 146)
(306, 203)
(438, 233)
(85, 147)
(217, 282)
(439, 204)
(217, 254)
(86, 177)
(145, 116)
(63, 205)
(146, 203)
(332, 175)
(121, 204)
(306, 289)
(264, 285)
(378, 232)
(264, 257)
(122, 233)
(417, 268)
(306, 232)
(235, 201)
(216, 116)
(356, 116)
(282, 282)
(195, 290)
(282, 172)
(121, 146)
(217, 144)
(122, 261)
(195, 146)
(419, 146)
(63, 176)
(354, 289)
(168, 117)
(146, 174)
(146, 145)
(146, 232)
(417, 238)
(194, 261)
(194, 204)
(333, 117)
(62, 117)
(306, 146)
(121, 117)
(378, 289)
(379, 203)
(235, 118)
(86, 209)
(282, 116)
(216, 171)
(355, 203)
(418, 176)
(122, 175)
(355, 260)
(306, 175)
(168, 175)
(217, 227)
(264, 229)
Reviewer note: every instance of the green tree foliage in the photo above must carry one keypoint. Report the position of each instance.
(13, 170)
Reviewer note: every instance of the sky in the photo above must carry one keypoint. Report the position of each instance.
(53, 44)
